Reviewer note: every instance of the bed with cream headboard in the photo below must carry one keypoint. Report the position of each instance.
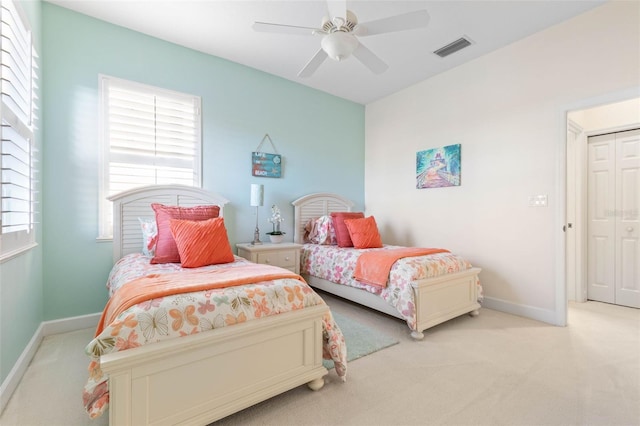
(436, 299)
(128, 206)
(203, 377)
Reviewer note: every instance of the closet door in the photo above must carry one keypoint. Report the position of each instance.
(613, 248)
(600, 219)
(628, 218)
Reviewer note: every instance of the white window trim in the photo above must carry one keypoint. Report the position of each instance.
(105, 229)
(13, 244)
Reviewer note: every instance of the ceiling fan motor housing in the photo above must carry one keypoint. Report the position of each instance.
(338, 23)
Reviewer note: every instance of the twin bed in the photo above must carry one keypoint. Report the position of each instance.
(238, 346)
(242, 344)
(424, 291)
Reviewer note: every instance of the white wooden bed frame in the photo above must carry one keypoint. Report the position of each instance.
(437, 299)
(201, 378)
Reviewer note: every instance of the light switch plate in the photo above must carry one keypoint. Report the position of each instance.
(537, 201)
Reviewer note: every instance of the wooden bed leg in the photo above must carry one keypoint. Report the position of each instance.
(316, 384)
(474, 313)
(418, 335)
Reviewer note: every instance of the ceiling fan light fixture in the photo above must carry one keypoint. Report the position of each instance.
(339, 45)
(341, 32)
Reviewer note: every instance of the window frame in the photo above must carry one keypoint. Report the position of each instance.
(105, 213)
(21, 119)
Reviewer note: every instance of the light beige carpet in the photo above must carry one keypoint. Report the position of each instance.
(495, 369)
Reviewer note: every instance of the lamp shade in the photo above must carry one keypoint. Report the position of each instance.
(257, 195)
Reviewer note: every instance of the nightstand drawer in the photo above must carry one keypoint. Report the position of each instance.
(282, 258)
(284, 255)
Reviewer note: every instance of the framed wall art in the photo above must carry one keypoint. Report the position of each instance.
(438, 167)
(265, 164)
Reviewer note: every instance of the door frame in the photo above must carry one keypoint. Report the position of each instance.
(561, 301)
(580, 188)
(575, 229)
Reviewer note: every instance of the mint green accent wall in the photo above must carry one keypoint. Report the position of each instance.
(321, 138)
(21, 281)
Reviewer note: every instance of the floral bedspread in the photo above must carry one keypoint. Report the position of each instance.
(338, 264)
(190, 313)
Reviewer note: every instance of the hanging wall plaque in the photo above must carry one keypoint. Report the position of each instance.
(265, 164)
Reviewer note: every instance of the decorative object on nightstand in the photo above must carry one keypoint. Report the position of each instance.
(276, 236)
(257, 200)
(284, 255)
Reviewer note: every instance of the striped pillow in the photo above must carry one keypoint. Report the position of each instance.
(201, 243)
(364, 232)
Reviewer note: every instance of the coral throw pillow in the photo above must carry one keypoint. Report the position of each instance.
(342, 233)
(364, 232)
(166, 249)
(201, 243)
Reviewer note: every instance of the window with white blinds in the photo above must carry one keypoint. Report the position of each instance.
(18, 171)
(151, 136)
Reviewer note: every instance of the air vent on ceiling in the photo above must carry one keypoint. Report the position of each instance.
(450, 48)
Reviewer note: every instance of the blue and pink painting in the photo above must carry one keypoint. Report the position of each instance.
(438, 167)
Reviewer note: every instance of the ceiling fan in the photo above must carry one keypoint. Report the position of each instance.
(340, 31)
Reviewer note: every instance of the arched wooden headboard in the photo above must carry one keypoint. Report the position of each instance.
(130, 205)
(316, 205)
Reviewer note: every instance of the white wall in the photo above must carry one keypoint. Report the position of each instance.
(610, 116)
(508, 109)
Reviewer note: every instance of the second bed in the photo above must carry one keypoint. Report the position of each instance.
(422, 290)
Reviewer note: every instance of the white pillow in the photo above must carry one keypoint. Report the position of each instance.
(149, 235)
(320, 231)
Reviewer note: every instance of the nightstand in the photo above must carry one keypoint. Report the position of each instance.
(285, 255)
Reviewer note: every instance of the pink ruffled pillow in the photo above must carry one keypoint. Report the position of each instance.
(201, 243)
(342, 233)
(166, 249)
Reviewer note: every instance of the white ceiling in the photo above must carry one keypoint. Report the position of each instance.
(223, 28)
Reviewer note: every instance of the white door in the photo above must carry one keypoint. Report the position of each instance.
(601, 223)
(613, 247)
(628, 218)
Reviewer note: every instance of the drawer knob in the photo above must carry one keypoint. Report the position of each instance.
(286, 258)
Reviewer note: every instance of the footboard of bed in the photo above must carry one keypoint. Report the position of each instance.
(437, 299)
(445, 297)
(201, 378)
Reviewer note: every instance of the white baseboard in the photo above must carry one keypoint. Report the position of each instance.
(538, 314)
(46, 328)
(66, 325)
(10, 384)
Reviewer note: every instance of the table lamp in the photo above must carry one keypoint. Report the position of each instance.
(257, 200)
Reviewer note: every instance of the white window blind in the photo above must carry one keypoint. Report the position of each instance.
(18, 113)
(151, 136)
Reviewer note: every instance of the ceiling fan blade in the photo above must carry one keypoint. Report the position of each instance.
(403, 22)
(283, 29)
(370, 59)
(337, 9)
(313, 64)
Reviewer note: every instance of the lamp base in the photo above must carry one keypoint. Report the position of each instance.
(256, 237)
